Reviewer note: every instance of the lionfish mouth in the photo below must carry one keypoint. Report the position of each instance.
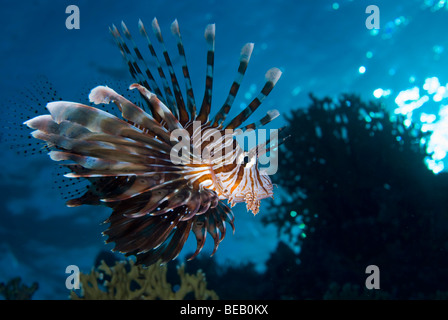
(156, 204)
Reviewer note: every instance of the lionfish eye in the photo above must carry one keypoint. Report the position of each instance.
(246, 159)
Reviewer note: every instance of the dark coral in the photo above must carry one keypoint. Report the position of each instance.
(16, 290)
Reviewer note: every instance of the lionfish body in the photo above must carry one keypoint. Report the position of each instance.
(158, 202)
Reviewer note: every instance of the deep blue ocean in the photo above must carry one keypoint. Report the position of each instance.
(322, 47)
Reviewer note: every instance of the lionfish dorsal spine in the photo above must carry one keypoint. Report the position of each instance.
(169, 98)
(142, 61)
(130, 111)
(221, 115)
(271, 77)
(191, 103)
(270, 115)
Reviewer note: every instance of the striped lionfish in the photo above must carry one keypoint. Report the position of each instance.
(157, 203)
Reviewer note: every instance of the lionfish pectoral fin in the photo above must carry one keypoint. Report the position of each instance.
(199, 229)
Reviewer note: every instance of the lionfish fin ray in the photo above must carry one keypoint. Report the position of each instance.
(130, 111)
(126, 159)
(166, 87)
(270, 115)
(178, 104)
(91, 118)
(272, 76)
(153, 84)
(191, 104)
(134, 68)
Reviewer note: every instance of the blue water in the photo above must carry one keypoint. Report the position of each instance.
(321, 46)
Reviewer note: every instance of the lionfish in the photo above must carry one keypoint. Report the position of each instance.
(155, 202)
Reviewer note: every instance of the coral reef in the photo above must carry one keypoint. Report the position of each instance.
(230, 281)
(128, 281)
(16, 290)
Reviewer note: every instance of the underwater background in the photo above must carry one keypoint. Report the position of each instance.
(361, 180)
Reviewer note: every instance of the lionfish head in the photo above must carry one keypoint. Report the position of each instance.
(255, 183)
